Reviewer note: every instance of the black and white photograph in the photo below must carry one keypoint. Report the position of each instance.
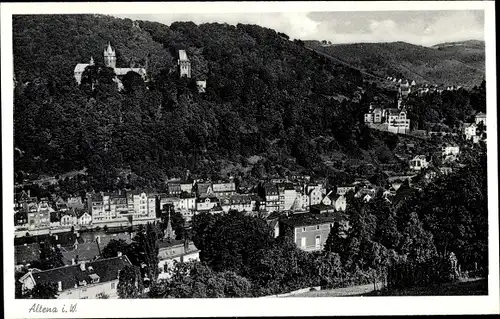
(291, 154)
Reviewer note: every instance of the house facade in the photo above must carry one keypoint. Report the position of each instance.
(206, 203)
(120, 209)
(418, 163)
(450, 150)
(397, 122)
(269, 193)
(39, 214)
(69, 219)
(469, 131)
(287, 195)
(84, 219)
(315, 196)
(344, 189)
(224, 190)
(309, 231)
(335, 200)
(240, 202)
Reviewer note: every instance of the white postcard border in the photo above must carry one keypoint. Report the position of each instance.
(258, 306)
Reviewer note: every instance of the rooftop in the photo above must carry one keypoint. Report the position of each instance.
(309, 219)
(71, 276)
(26, 253)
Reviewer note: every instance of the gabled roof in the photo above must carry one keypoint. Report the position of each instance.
(419, 157)
(334, 196)
(22, 196)
(80, 213)
(69, 276)
(270, 189)
(80, 67)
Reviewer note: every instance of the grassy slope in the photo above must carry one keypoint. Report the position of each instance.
(468, 287)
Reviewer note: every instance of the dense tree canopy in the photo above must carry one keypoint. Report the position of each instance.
(265, 96)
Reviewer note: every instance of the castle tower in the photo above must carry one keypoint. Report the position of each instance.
(184, 64)
(110, 57)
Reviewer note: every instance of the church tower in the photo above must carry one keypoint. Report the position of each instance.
(110, 57)
(169, 231)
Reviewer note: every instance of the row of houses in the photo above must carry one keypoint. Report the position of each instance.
(421, 88)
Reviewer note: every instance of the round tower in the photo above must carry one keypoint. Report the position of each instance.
(110, 57)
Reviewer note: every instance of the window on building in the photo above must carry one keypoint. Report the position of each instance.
(318, 241)
(303, 229)
(317, 227)
(113, 285)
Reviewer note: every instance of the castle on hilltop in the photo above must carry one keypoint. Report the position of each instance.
(110, 62)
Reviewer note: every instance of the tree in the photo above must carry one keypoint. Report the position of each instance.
(416, 243)
(233, 242)
(114, 247)
(147, 243)
(43, 291)
(129, 283)
(50, 257)
(196, 280)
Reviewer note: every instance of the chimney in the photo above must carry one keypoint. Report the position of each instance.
(82, 266)
(59, 286)
(73, 261)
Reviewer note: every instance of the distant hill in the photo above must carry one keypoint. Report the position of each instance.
(455, 63)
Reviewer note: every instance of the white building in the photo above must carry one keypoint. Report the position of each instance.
(287, 196)
(397, 122)
(481, 118)
(418, 163)
(469, 130)
(450, 150)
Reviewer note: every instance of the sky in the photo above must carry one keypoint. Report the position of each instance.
(417, 27)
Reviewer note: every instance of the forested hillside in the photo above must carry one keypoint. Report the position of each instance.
(266, 96)
(460, 64)
(271, 106)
